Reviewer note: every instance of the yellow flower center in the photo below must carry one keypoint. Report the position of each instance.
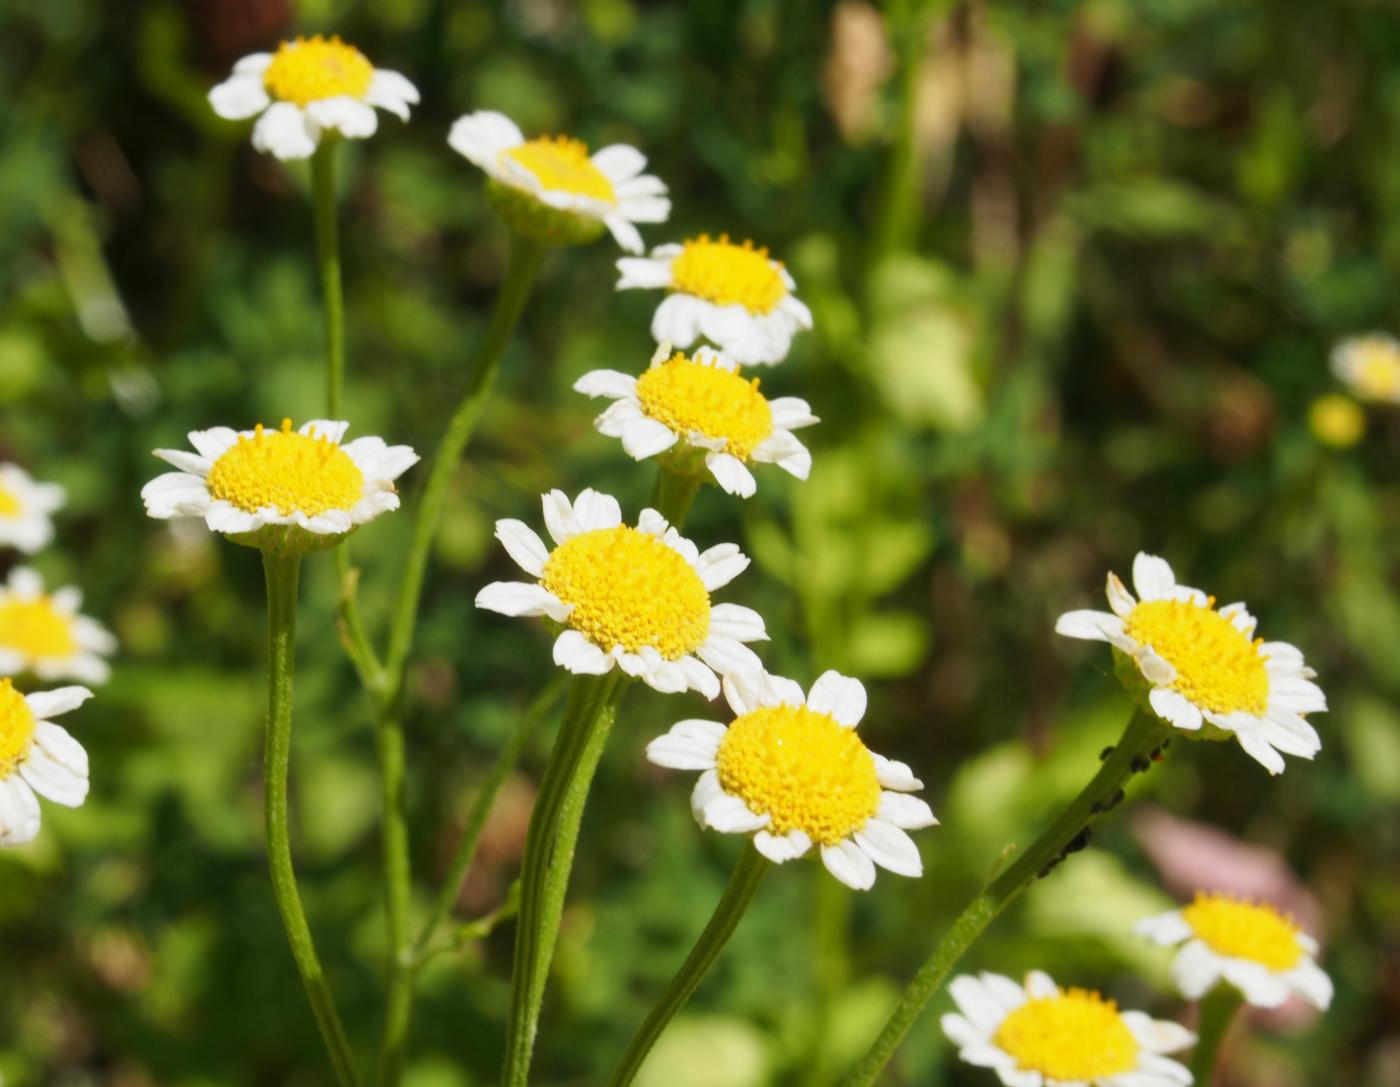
(1245, 930)
(310, 69)
(9, 504)
(561, 164)
(728, 274)
(1075, 1035)
(630, 589)
(1378, 374)
(36, 629)
(288, 472)
(689, 396)
(16, 728)
(1217, 667)
(802, 768)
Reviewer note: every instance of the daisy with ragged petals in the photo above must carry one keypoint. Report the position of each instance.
(291, 490)
(43, 634)
(25, 509)
(1251, 945)
(1039, 1035)
(1370, 366)
(791, 771)
(702, 401)
(634, 598)
(551, 189)
(37, 758)
(735, 296)
(1205, 666)
(310, 86)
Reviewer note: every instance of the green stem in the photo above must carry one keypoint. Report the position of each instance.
(675, 490)
(1217, 1013)
(1143, 736)
(398, 1001)
(549, 856)
(743, 884)
(328, 259)
(282, 575)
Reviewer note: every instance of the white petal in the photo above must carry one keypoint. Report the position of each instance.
(781, 848)
(46, 704)
(791, 412)
(905, 811)
(482, 136)
(575, 653)
(1040, 985)
(521, 598)
(1119, 599)
(707, 790)
(1195, 970)
(61, 747)
(645, 437)
(285, 132)
(1084, 623)
(52, 779)
(596, 510)
(700, 677)
(644, 272)
(239, 97)
(19, 812)
(1175, 708)
(1260, 986)
(1257, 746)
(677, 320)
(840, 696)
(893, 774)
(983, 1010)
(1311, 983)
(1164, 929)
(1157, 1035)
(1152, 577)
(787, 452)
(392, 91)
(731, 475)
(890, 848)
(848, 862)
(737, 622)
(730, 815)
(618, 162)
(721, 564)
(559, 517)
(1157, 669)
(960, 1032)
(523, 545)
(628, 238)
(610, 383)
(727, 656)
(689, 745)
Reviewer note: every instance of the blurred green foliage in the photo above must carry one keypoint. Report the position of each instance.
(1075, 268)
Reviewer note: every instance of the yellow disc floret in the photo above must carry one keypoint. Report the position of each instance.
(1245, 930)
(288, 472)
(727, 274)
(630, 589)
(1217, 666)
(561, 164)
(16, 728)
(803, 769)
(309, 69)
(9, 504)
(689, 396)
(36, 629)
(1075, 1035)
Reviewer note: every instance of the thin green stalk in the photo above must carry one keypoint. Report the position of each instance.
(328, 260)
(1218, 1011)
(549, 856)
(1069, 832)
(398, 1000)
(743, 884)
(282, 575)
(675, 489)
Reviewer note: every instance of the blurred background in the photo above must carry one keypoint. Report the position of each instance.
(1076, 269)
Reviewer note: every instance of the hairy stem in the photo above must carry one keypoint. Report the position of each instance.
(1218, 1011)
(328, 261)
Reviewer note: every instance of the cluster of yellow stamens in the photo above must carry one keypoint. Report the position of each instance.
(689, 396)
(561, 164)
(802, 768)
(288, 472)
(1075, 1035)
(36, 629)
(309, 69)
(726, 274)
(1245, 930)
(16, 728)
(9, 504)
(1217, 666)
(630, 589)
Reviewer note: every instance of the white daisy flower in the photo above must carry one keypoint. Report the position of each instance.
(635, 598)
(735, 296)
(1253, 946)
(25, 507)
(1039, 1035)
(281, 489)
(791, 771)
(1370, 366)
(310, 86)
(551, 189)
(42, 634)
(37, 758)
(704, 402)
(1205, 666)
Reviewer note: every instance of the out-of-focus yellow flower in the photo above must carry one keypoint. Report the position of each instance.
(1336, 420)
(1370, 366)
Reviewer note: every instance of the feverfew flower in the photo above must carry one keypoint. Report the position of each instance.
(791, 771)
(550, 188)
(637, 598)
(1370, 366)
(281, 490)
(1039, 1035)
(734, 296)
(1253, 946)
(1205, 666)
(37, 757)
(310, 86)
(702, 401)
(44, 635)
(25, 507)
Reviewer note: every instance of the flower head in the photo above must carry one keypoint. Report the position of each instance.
(310, 86)
(286, 490)
(1336, 420)
(735, 296)
(703, 402)
(552, 190)
(1204, 665)
(1370, 366)
(1039, 1035)
(1254, 946)
(43, 634)
(25, 507)
(37, 757)
(791, 770)
(637, 598)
